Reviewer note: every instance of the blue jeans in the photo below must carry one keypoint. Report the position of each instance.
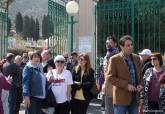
(123, 109)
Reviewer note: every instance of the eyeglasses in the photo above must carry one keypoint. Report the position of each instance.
(62, 62)
(154, 59)
(81, 59)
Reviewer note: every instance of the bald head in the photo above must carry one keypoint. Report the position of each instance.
(18, 60)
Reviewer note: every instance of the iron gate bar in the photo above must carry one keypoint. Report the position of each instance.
(58, 26)
(142, 19)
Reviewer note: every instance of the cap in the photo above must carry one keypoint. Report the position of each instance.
(145, 52)
(59, 58)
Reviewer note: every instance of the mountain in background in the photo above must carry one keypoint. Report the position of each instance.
(35, 8)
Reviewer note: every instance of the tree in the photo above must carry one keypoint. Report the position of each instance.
(45, 27)
(19, 22)
(8, 25)
(37, 30)
(26, 27)
(32, 27)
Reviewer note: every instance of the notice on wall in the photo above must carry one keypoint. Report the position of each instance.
(85, 44)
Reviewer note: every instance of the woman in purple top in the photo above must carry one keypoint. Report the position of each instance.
(4, 84)
(151, 91)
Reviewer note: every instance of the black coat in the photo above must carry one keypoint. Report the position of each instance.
(86, 83)
(50, 63)
(14, 71)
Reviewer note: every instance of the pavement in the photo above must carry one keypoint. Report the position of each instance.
(94, 108)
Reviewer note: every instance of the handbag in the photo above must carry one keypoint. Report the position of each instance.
(50, 100)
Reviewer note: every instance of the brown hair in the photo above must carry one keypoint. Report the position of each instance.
(36, 53)
(159, 56)
(124, 39)
(88, 64)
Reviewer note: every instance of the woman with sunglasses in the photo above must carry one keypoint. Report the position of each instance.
(151, 91)
(61, 81)
(83, 80)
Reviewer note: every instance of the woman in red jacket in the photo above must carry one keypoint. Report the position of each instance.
(4, 84)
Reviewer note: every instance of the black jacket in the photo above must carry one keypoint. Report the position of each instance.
(86, 84)
(49, 63)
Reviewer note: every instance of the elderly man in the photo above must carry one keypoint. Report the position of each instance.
(145, 59)
(47, 60)
(10, 68)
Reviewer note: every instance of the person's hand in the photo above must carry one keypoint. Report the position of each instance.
(9, 79)
(50, 79)
(131, 88)
(139, 88)
(27, 101)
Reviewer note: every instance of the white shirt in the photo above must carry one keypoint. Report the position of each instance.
(59, 86)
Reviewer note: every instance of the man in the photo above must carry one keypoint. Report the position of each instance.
(25, 59)
(111, 46)
(19, 97)
(145, 59)
(70, 65)
(47, 60)
(124, 72)
(10, 68)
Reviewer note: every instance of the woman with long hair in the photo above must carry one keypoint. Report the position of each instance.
(83, 80)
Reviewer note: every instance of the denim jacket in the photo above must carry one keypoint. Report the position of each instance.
(32, 81)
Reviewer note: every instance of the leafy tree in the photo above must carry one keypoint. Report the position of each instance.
(37, 30)
(32, 27)
(26, 27)
(19, 22)
(8, 25)
(45, 27)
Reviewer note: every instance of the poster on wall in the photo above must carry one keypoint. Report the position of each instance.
(85, 44)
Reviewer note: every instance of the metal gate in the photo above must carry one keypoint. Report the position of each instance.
(144, 20)
(58, 27)
(3, 32)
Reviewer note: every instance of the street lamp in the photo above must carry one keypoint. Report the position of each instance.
(72, 8)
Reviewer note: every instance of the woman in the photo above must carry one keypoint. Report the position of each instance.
(34, 83)
(61, 81)
(6, 85)
(83, 80)
(151, 91)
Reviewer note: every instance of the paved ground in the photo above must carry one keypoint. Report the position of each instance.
(94, 108)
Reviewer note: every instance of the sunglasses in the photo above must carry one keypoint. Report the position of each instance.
(154, 59)
(81, 59)
(62, 62)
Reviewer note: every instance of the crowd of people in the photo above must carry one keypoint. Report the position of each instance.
(33, 77)
(130, 83)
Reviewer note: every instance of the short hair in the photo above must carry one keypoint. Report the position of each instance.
(9, 56)
(123, 39)
(36, 53)
(18, 57)
(159, 56)
(112, 38)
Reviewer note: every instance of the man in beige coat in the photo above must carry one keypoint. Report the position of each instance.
(124, 73)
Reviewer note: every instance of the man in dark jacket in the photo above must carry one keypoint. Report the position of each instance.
(47, 60)
(10, 68)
